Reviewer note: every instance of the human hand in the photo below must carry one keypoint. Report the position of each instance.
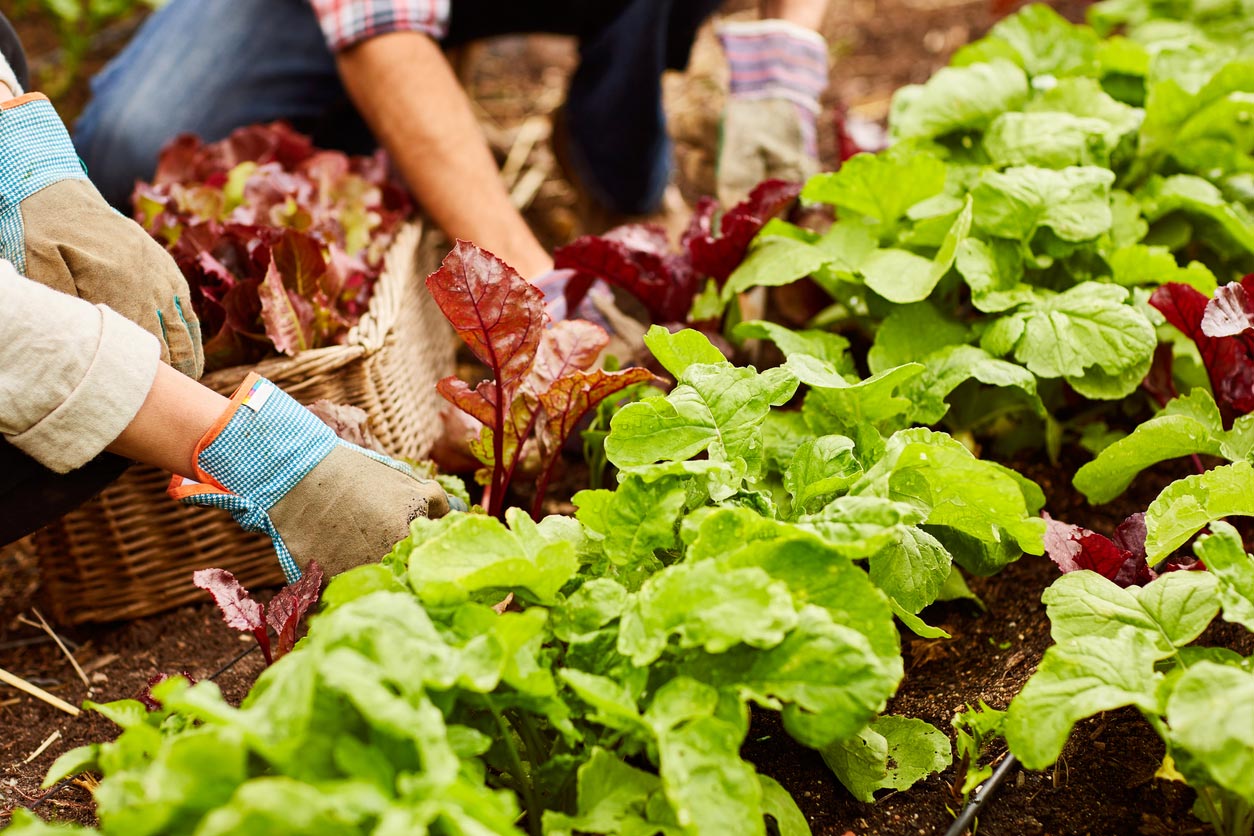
(58, 231)
(778, 71)
(281, 471)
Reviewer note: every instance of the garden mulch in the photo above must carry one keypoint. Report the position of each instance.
(1104, 783)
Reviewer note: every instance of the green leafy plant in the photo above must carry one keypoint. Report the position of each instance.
(1134, 646)
(976, 728)
(79, 24)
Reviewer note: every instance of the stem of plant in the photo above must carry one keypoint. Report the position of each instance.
(515, 761)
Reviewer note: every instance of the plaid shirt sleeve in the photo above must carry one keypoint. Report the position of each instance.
(348, 22)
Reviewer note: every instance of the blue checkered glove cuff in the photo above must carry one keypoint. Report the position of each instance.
(264, 444)
(35, 152)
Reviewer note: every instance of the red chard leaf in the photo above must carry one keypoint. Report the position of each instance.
(145, 696)
(289, 606)
(239, 610)
(542, 385)
(289, 318)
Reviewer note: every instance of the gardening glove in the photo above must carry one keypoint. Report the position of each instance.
(281, 471)
(57, 229)
(778, 70)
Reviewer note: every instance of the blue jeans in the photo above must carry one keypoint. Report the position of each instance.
(210, 66)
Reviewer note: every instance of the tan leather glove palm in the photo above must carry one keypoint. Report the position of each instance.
(58, 230)
(778, 70)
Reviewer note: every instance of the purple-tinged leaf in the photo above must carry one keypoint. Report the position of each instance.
(638, 259)
(1229, 360)
(1159, 383)
(289, 606)
(1074, 548)
(239, 610)
(1229, 312)
(289, 318)
(716, 258)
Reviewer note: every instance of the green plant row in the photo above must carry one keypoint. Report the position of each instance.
(751, 557)
(1036, 191)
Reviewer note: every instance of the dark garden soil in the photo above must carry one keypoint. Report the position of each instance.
(1104, 783)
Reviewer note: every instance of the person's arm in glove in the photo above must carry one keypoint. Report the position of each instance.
(58, 231)
(76, 379)
(778, 71)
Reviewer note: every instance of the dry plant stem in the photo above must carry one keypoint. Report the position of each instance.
(43, 747)
(38, 693)
(78, 669)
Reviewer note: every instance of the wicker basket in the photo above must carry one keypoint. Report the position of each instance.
(131, 551)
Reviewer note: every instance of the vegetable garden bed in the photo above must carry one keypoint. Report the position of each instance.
(775, 612)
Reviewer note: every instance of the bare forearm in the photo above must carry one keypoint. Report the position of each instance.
(176, 414)
(807, 13)
(408, 94)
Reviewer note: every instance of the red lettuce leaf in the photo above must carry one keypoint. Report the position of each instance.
(716, 258)
(638, 257)
(1229, 360)
(289, 606)
(1229, 312)
(239, 610)
(221, 208)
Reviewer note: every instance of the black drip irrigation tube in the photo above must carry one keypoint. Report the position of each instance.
(65, 782)
(982, 796)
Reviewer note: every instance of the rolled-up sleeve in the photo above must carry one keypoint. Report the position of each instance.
(73, 375)
(348, 22)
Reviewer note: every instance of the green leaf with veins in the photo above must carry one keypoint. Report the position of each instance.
(859, 526)
(775, 262)
(1044, 43)
(829, 680)
(677, 351)
(1171, 611)
(910, 333)
(901, 276)
(951, 366)
(613, 797)
(828, 347)
(880, 186)
(1227, 227)
(711, 790)
(1139, 265)
(818, 574)
(833, 406)
(892, 753)
(717, 408)
(940, 477)
(1209, 713)
(1015, 203)
(911, 570)
(1048, 140)
(457, 556)
(1187, 505)
(1081, 677)
(1072, 333)
(821, 468)
(779, 805)
(994, 272)
(957, 98)
(1224, 554)
(1187, 425)
(637, 519)
(704, 606)
(1084, 97)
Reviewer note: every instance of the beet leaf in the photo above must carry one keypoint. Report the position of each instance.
(239, 610)
(289, 606)
(243, 613)
(542, 378)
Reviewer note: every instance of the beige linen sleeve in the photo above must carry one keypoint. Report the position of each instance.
(72, 374)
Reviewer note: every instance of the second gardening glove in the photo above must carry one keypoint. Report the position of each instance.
(281, 471)
(778, 71)
(57, 230)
